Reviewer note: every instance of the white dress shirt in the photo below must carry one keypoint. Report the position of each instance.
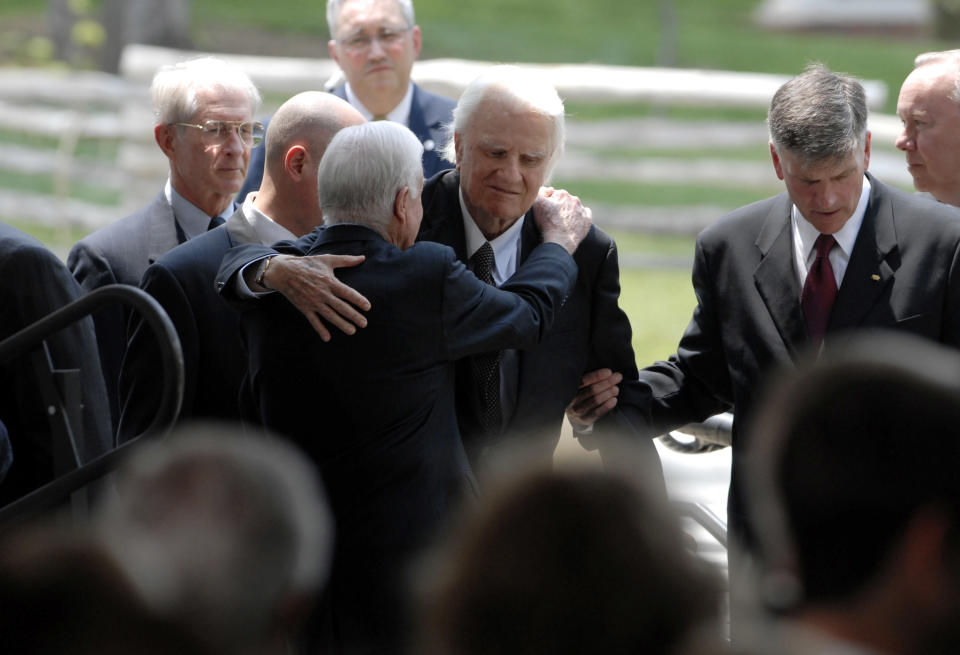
(506, 247)
(805, 235)
(399, 114)
(192, 220)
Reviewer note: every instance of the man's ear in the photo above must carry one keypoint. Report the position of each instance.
(417, 41)
(166, 137)
(458, 149)
(294, 162)
(400, 204)
(332, 47)
(776, 161)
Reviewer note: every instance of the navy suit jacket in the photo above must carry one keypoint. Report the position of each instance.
(34, 283)
(376, 410)
(429, 112)
(120, 253)
(903, 274)
(182, 281)
(590, 332)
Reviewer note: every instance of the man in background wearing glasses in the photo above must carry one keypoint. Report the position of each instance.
(375, 43)
(182, 280)
(204, 125)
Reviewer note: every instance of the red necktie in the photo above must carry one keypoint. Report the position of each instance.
(819, 290)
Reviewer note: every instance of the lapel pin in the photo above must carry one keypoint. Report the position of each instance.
(875, 277)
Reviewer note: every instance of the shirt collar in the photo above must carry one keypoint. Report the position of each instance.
(399, 114)
(845, 237)
(268, 230)
(505, 246)
(192, 220)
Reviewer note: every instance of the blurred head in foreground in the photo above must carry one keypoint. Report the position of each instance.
(857, 498)
(224, 531)
(62, 594)
(567, 562)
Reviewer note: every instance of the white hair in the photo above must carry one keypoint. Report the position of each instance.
(176, 86)
(512, 84)
(335, 6)
(943, 56)
(219, 529)
(364, 168)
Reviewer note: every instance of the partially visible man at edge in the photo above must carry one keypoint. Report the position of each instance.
(182, 280)
(375, 43)
(929, 108)
(506, 136)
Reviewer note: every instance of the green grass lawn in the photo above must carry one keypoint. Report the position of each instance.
(659, 304)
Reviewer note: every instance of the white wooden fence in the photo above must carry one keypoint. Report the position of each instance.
(69, 107)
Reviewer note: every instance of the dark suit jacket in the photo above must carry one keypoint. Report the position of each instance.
(120, 253)
(428, 114)
(34, 283)
(590, 332)
(903, 274)
(376, 410)
(182, 281)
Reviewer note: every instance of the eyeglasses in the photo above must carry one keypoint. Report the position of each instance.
(388, 37)
(250, 132)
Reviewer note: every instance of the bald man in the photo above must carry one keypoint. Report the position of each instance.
(182, 281)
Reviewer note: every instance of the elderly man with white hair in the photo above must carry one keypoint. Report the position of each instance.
(376, 410)
(506, 136)
(929, 108)
(204, 125)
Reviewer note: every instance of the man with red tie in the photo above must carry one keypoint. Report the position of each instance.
(836, 253)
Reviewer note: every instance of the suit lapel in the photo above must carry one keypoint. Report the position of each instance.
(442, 218)
(776, 279)
(161, 228)
(872, 263)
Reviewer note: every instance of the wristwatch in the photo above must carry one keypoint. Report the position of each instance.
(262, 271)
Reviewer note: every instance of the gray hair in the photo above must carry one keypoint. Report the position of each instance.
(819, 115)
(942, 56)
(364, 168)
(335, 6)
(511, 83)
(175, 87)
(218, 528)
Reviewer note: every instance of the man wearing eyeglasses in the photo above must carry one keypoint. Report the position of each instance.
(375, 43)
(182, 280)
(204, 125)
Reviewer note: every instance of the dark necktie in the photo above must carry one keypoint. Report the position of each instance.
(486, 367)
(819, 290)
(214, 222)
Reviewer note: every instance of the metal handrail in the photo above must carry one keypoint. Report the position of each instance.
(712, 434)
(56, 492)
(705, 517)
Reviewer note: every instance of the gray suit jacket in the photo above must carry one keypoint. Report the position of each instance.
(120, 253)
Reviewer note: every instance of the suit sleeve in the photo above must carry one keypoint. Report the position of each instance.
(92, 270)
(692, 384)
(241, 256)
(42, 284)
(479, 317)
(141, 375)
